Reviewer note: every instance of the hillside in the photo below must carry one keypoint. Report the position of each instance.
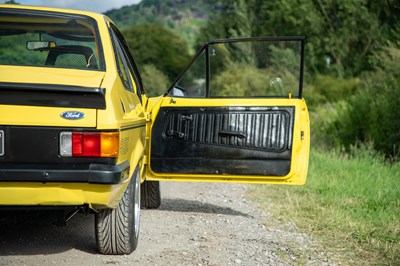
(183, 17)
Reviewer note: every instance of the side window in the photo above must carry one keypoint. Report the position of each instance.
(122, 67)
(126, 66)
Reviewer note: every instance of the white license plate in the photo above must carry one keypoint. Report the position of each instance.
(1, 142)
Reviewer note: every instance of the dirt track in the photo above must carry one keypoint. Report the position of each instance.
(197, 224)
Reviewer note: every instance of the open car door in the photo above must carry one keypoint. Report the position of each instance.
(235, 114)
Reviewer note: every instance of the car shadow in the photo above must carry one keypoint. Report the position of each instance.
(183, 205)
(35, 232)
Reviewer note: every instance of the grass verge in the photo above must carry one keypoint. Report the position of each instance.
(351, 205)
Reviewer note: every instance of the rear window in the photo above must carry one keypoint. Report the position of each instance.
(49, 39)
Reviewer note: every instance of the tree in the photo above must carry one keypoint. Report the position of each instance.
(154, 45)
(232, 21)
(342, 34)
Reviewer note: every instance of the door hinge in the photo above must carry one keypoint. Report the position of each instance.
(145, 159)
(301, 135)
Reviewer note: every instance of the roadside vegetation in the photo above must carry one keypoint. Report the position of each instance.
(350, 204)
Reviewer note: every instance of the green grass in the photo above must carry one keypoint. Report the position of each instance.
(351, 204)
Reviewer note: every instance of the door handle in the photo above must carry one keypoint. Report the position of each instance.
(226, 133)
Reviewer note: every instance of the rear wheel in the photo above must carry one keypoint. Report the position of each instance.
(151, 197)
(117, 230)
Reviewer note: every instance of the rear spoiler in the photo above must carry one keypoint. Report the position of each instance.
(52, 95)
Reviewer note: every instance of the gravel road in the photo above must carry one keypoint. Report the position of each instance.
(197, 224)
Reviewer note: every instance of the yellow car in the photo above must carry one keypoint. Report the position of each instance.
(77, 131)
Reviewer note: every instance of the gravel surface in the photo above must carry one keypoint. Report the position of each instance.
(197, 224)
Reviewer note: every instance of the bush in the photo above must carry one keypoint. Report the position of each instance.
(372, 115)
(154, 81)
(326, 88)
(248, 80)
(240, 80)
(323, 119)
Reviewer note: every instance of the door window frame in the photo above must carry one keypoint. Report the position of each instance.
(205, 48)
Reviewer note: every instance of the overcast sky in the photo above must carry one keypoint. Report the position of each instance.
(90, 5)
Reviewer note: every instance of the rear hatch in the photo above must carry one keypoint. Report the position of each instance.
(50, 97)
(37, 103)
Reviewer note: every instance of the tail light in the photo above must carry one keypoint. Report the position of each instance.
(89, 144)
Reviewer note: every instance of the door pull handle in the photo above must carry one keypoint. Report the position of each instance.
(226, 133)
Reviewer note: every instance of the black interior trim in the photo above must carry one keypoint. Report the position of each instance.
(253, 140)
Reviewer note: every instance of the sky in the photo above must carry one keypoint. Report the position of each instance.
(88, 5)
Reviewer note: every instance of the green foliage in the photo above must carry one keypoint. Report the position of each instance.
(154, 81)
(153, 44)
(327, 89)
(351, 203)
(183, 17)
(248, 80)
(13, 50)
(383, 86)
(371, 114)
(241, 80)
(254, 68)
(322, 119)
(341, 35)
(344, 32)
(232, 21)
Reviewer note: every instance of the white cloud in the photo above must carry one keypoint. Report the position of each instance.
(89, 5)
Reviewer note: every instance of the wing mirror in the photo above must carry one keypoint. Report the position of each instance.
(177, 91)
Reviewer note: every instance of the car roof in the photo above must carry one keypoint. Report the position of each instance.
(94, 15)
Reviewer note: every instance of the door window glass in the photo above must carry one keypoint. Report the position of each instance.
(254, 68)
(251, 67)
(193, 83)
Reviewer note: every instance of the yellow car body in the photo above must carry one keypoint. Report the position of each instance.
(129, 123)
(49, 114)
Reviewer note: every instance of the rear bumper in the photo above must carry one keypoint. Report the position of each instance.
(36, 194)
(86, 173)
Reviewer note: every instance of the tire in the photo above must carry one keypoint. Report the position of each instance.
(151, 196)
(117, 230)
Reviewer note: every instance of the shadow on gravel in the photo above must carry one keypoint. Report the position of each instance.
(34, 233)
(183, 205)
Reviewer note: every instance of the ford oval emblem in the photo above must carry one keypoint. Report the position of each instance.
(72, 115)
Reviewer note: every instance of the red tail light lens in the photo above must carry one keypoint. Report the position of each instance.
(86, 144)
